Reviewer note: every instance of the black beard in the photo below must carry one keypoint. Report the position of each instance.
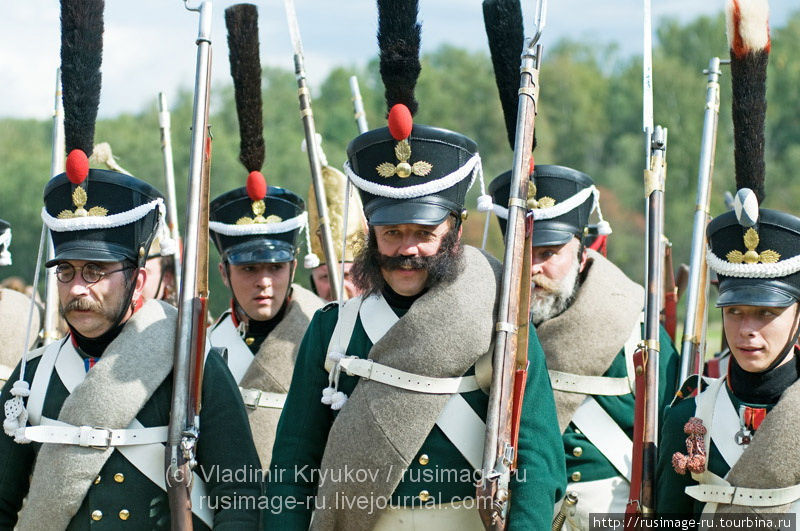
(444, 266)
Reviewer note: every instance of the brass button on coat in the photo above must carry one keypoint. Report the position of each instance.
(124, 514)
(577, 451)
(119, 477)
(97, 515)
(249, 340)
(576, 476)
(97, 480)
(424, 495)
(423, 459)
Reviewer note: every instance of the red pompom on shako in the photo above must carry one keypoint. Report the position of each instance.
(77, 166)
(256, 186)
(400, 122)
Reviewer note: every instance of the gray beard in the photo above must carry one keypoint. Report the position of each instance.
(548, 304)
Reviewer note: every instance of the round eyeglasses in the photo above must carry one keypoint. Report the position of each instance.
(90, 273)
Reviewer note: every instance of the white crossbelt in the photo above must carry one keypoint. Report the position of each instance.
(147, 456)
(605, 434)
(589, 385)
(255, 398)
(95, 437)
(369, 370)
(458, 421)
(224, 334)
(464, 428)
(743, 496)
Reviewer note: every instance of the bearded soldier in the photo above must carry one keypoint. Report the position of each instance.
(587, 312)
(255, 228)
(86, 417)
(13, 315)
(577, 289)
(383, 426)
(733, 449)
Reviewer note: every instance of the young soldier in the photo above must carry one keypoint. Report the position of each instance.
(733, 448)
(383, 426)
(255, 229)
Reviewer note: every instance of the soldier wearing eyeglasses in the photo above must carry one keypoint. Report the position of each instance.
(86, 417)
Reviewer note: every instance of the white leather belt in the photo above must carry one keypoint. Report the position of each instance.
(744, 496)
(589, 385)
(255, 398)
(95, 437)
(370, 370)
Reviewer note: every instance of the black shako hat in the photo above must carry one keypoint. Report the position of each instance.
(262, 231)
(421, 178)
(109, 217)
(755, 253)
(5, 241)
(406, 172)
(561, 200)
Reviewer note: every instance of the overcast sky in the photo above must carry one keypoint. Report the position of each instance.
(149, 44)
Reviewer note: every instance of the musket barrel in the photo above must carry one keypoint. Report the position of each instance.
(57, 160)
(312, 149)
(499, 454)
(693, 341)
(182, 416)
(358, 105)
(164, 123)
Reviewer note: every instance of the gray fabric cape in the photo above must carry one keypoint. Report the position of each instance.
(114, 391)
(442, 335)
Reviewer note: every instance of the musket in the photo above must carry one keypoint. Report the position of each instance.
(670, 315)
(184, 425)
(313, 151)
(169, 179)
(358, 106)
(510, 357)
(646, 358)
(693, 343)
(57, 161)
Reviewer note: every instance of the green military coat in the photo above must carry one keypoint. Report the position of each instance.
(671, 497)
(124, 498)
(305, 423)
(584, 461)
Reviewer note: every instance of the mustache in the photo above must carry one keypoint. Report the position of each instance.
(83, 304)
(545, 283)
(393, 263)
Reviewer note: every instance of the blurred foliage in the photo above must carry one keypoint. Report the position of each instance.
(589, 118)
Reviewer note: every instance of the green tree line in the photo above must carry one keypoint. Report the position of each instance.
(589, 119)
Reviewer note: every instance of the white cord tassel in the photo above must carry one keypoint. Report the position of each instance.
(311, 260)
(16, 414)
(331, 396)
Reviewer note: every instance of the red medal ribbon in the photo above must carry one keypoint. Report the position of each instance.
(754, 416)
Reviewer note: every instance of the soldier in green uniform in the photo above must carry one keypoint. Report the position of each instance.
(733, 448)
(384, 423)
(591, 372)
(86, 417)
(255, 229)
(587, 312)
